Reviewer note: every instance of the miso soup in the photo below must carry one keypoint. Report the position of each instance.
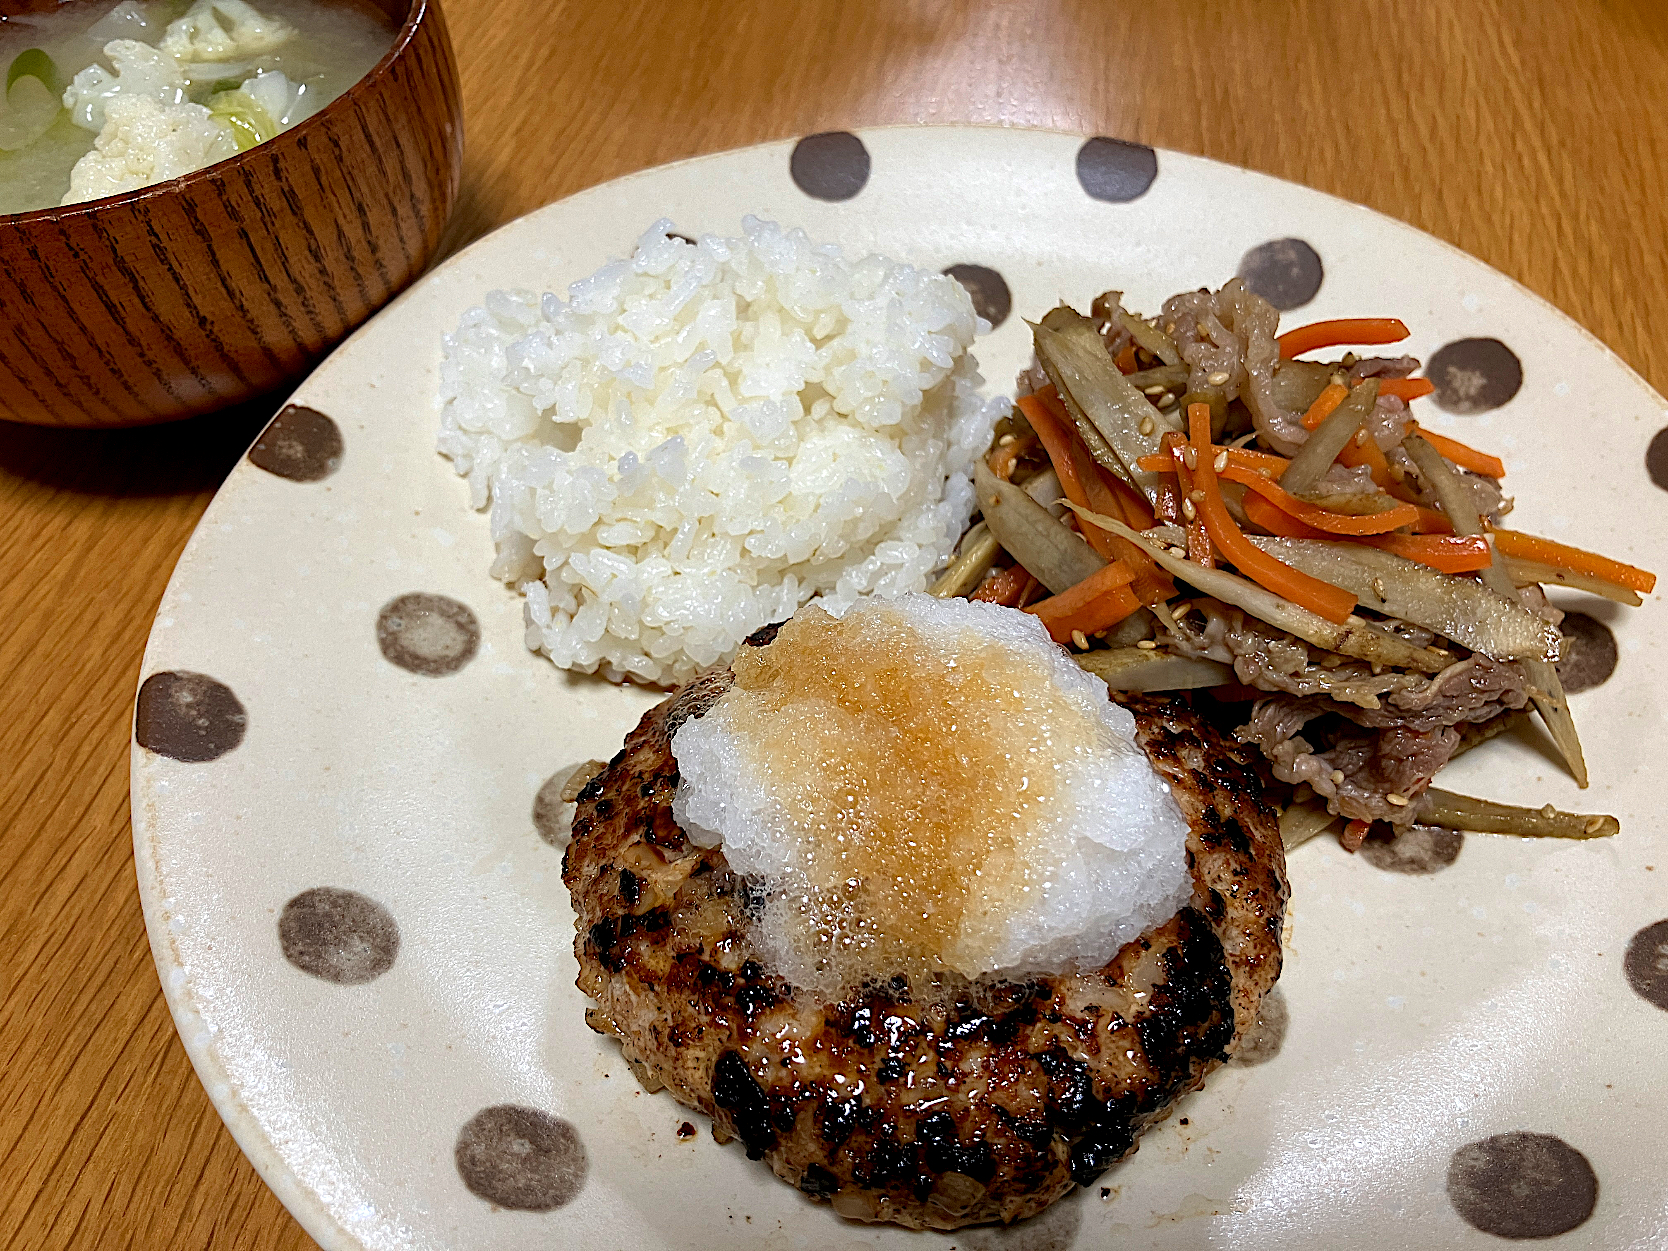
(104, 98)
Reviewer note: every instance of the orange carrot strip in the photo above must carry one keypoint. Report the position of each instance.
(1322, 334)
(1463, 456)
(1242, 461)
(1406, 389)
(1111, 608)
(1278, 522)
(1157, 462)
(1198, 538)
(1056, 442)
(1076, 470)
(1355, 833)
(1248, 459)
(1244, 457)
(1088, 485)
(1003, 586)
(1102, 599)
(1332, 602)
(1126, 359)
(1447, 552)
(1137, 513)
(1328, 400)
(1429, 521)
(1101, 491)
(1003, 459)
(1152, 584)
(1323, 518)
(1451, 553)
(1369, 454)
(1529, 547)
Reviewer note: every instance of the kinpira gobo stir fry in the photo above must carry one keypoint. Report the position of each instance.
(1190, 502)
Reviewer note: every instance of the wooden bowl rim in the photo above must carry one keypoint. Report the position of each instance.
(417, 11)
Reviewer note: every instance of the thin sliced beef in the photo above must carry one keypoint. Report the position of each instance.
(1407, 738)
(1231, 332)
(1405, 720)
(1382, 367)
(1365, 777)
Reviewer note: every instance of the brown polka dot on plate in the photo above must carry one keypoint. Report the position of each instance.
(520, 1158)
(553, 805)
(1116, 171)
(300, 443)
(1262, 1042)
(1418, 849)
(188, 716)
(991, 298)
(1522, 1185)
(1646, 964)
(1589, 652)
(1656, 459)
(338, 935)
(1285, 272)
(1474, 375)
(433, 635)
(550, 810)
(831, 166)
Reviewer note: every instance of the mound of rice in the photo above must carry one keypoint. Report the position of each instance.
(930, 784)
(704, 436)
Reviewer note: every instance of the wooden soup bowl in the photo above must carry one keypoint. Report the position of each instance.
(234, 281)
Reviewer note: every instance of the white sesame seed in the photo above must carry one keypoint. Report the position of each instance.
(1157, 388)
(1594, 824)
(1191, 456)
(1006, 440)
(1165, 400)
(1217, 379)
(1378, 587)
(1188, 510)
(1148, 425)
(1147, 645)
(1080, 640)
(1197, 495)
(1549, 811)
(1399, 800)
(1221, 461)
(1337, 777)
(1361, 438)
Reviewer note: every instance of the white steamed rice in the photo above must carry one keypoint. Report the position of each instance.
(703, 437)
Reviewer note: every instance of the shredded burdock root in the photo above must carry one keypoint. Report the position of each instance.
(1280, 534)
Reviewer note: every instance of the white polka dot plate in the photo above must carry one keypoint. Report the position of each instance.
(340, 743)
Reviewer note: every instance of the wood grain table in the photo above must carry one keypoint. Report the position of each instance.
(1531, 133)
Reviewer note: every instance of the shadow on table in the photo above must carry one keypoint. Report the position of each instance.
(176, 458)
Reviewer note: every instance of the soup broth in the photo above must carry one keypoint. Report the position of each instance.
(102, 98)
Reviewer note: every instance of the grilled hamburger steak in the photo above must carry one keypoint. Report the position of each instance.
(890, 1105)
